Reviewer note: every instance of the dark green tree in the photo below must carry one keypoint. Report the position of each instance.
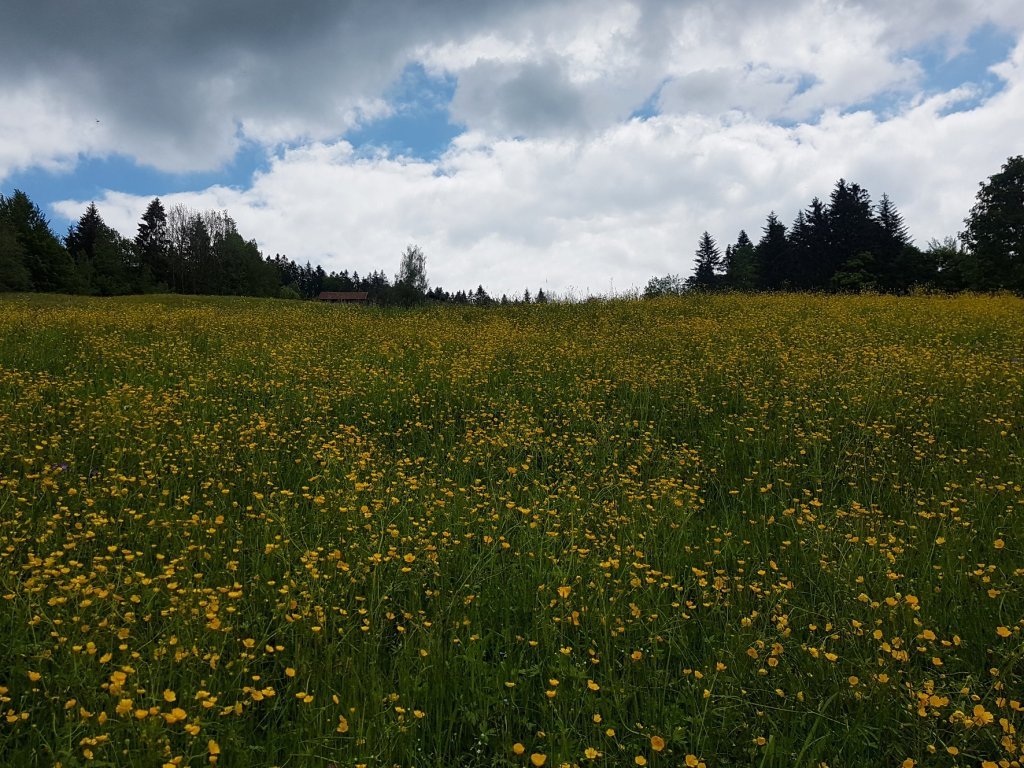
(853, 231)
(949, 259)
(902, 265)
(669, 285)
(49, 265)
(153, 247)
(741, 264)
(808, 263)
(102, 256)
(994, 235)
(14, 275)
(773, 256)
(705, 276)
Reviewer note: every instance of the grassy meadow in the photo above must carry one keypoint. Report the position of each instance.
(709, 531)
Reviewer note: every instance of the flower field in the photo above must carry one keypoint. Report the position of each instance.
(709, 531)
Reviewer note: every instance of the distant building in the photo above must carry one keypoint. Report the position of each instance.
(343, 297)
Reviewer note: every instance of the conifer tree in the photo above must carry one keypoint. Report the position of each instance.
(741, 264)
(49, 266)
(772, 255)
(153, 246)
(705, 276)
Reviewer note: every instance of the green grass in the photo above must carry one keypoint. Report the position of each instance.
(763, 531)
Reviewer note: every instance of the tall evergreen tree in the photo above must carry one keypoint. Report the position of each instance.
(808, 248)
(902, 265)
(49, 265)
(705, 276)
(741, 264)
(853, 231)
(14, 275)
(101, 255)
(153, 246)
(773, 256)
(994, 235)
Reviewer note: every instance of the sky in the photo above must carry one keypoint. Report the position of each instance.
(577, 146)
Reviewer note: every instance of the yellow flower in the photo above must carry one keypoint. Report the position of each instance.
(593, 686)
(1003, 631)
(657, 743)
(213, 747)
(908, 763)
(34, 676)
(640, 760)
(564, 592)
(342, 724)
(998, 543)
(170, 696)
(518, 748)
(591, 754)
(537, 759)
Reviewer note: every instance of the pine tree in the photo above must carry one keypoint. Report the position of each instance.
(101, 255)
(901, 264)
(153, 246)
(705, 276)
(741, 264)
(853, 231)
(772, 256)
(808, 261)
(49, 265)
(14, 275)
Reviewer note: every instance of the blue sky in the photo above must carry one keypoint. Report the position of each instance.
(464, 130)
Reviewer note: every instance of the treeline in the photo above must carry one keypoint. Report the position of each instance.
(180, 250)
(848, 243)
(853, 244)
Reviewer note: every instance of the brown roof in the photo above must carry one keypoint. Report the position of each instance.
(342, 296)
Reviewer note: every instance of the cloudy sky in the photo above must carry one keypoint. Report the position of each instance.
(579, 146)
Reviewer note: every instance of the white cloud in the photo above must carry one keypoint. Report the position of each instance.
(611, 208)
(552, 183)
(182, 86)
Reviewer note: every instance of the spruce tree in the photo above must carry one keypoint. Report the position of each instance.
(153, 246)
(49, 265)
(14, 275)
(741, 264)
(705, 276)
(101, 255)
(772, 256)
(853, 231)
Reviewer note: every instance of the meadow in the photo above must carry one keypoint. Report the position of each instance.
(706, 531)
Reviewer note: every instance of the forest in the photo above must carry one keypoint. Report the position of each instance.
(848, 243)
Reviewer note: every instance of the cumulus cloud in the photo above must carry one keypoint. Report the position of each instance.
(611, 209)
(749, 106)
(180, 86)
